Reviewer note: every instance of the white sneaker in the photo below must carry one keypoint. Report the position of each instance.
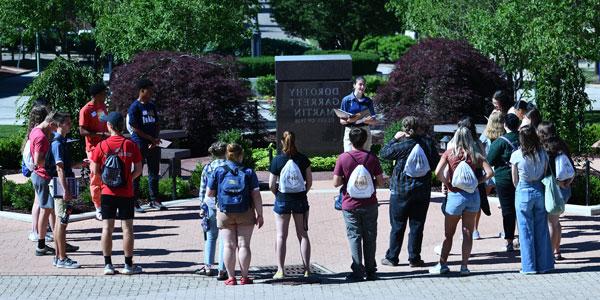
(98, 214)
(67, 263)
(130, 270)
(33, 236)
(49, 237)
(439, 269)
(437, 250)
(109, 269)
(476, 235)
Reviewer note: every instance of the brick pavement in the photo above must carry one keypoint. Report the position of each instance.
(169, 244)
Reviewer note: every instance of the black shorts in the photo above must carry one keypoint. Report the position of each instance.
(290, 207)
(113, 207)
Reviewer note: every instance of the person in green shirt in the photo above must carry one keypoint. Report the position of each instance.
(499, 158)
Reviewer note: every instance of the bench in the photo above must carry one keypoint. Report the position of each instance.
(173, 157)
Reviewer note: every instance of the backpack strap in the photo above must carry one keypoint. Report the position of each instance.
(356, 161)
(509, 142)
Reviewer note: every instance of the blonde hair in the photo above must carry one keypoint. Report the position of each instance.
(464, 143)
(234, 152)
(495, 126)
(289, 143)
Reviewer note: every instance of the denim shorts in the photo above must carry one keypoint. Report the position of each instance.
(459, 202)
(290, 207)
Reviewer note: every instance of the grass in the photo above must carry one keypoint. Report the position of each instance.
(592, 117)
(8, 130)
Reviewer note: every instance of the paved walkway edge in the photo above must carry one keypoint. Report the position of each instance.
(579, 210)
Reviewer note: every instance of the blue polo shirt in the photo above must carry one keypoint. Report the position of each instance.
(144, 117)
(59, 152)
(353, 105)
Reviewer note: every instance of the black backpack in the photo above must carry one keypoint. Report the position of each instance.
(112, 170)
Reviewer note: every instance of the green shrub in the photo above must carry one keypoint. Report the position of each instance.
(256, 66)
(591, 134)
(182, 188)
(389, 48)
(265, 85)
(85, 195)
(235, 136)
(144, 188)
(196, 176)
(10, 151)
(373, 83)
(362, 63)
(19, 195)
(261, 157)
(578, 192)
(388, 134)
(322, 163)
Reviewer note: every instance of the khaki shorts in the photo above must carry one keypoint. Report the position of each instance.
(225, 220)
(62, 213)
(348, 144)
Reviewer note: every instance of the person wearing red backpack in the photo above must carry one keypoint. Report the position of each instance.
(359, 203)
(117, 202)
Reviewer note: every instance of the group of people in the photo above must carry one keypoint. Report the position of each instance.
(116, 164)
(511, 157)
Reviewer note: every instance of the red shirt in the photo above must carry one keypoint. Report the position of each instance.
(344, 166)
(130, 154)
(38, 142)
(89, 117)
(453, 162)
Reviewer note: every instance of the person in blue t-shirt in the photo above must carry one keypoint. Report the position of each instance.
(143, 124)
(355, 103)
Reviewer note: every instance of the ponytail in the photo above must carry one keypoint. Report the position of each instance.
(289, 143)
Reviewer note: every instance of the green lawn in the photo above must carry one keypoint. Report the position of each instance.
(592, 117)
(8, 130)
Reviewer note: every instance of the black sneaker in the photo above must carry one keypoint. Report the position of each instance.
(352, 277)
(372, 277)
(71, 248)
(417, 263)
(222, 276)
(387, 262)
(45, 251)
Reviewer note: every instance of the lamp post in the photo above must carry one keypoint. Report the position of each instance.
(444, 142)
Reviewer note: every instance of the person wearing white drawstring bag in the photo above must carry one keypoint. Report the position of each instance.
(410, 188)
(558, 152)
(463, 197)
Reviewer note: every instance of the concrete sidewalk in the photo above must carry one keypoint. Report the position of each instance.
(169, 248)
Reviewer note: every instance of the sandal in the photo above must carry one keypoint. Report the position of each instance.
(246, 280)
(231, 281)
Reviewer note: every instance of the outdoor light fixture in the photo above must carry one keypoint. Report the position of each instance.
(444, 142)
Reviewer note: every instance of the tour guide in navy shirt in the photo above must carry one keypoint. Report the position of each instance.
(355, 103)
(144, 128)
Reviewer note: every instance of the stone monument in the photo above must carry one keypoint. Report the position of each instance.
(308, 88)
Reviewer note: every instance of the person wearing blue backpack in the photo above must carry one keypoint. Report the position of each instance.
(290, 180)
(239, 209)
(410, 187)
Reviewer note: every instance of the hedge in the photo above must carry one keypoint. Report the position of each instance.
(389, 48)
(265, 85)
(363, 63)
(256, 66)
(10, 151)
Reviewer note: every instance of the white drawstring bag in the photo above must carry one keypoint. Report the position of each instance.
(417, 164)
(564, 168)
(464, 178)
(360, 184)
(290, 178)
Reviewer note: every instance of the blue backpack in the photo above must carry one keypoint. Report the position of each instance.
(232, 194)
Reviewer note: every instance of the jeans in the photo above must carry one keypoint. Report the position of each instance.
(536, 250)
(361, 229)
(152, 158)
(411, 207)
(211, 242)
(506, 196)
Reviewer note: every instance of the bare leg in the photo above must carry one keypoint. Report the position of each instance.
(302, 234)
(450, 223)
(35, 214)
(43, 221)
(282, 223)
(127, 226)
(477, 217)
(107, 230)
(244, 254)
(555, 232)
(60, 240)
(229, 236)
(468, 222)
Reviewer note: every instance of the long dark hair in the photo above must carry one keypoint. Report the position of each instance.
(550, 140)
(530, 142)
(504, 99)
(534, 116)
(289, 143)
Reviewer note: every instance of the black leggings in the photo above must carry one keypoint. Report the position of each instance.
(506, 195)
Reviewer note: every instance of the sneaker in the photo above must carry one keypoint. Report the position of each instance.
(98, 214)
(130, 270)
(71, 248)
(352, 277)
(54, 261)
(67, 263)
(139, 209)
(501, 235)
(109, 269)
(476, 235)
(527, 273)
(49, 237)
(387, 262)
(416, 263)
(157, 205)
(509, 247)
(558, 257)
(206, 272)
(464, 271)
(33, 236)
(279, 275)
(372, 277)
(516, 243)
(47, 250)
(222, 275)
(307, 274)
(439, 269)
(437, 250)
